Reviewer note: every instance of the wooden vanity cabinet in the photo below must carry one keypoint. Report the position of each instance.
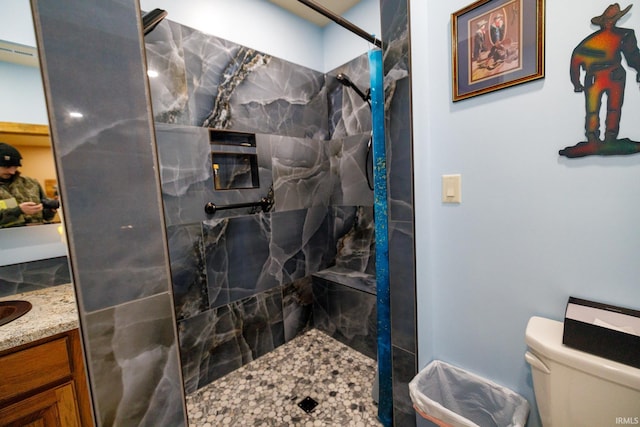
(44, 384)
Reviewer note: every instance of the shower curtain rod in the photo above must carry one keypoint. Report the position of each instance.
(342, 22)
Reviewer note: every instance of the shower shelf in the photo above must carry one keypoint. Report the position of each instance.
(234, 160)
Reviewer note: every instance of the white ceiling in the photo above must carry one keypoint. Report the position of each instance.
(338, 7)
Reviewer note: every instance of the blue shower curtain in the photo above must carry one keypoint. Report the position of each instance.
(385, 391)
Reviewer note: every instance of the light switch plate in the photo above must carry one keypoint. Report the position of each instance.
(452, 188)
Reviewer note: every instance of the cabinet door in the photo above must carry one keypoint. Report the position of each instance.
(33, 368)
(52, 408)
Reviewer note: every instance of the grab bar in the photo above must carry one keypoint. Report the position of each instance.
(211, 208)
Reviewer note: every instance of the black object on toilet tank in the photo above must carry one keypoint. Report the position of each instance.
(603, 330)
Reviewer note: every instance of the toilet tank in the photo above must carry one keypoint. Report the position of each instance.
(576, 389)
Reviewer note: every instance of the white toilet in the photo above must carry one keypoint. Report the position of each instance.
(577, 389)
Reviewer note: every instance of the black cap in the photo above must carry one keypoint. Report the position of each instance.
(9, 156)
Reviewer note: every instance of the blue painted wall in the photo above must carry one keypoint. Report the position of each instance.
(19, 83)
(23, 86)
(533, 228)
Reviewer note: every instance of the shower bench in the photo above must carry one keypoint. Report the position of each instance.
(344, 307)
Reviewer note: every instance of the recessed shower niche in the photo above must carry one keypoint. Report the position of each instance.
(234, 160)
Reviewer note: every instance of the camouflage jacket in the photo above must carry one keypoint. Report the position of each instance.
(23, 189)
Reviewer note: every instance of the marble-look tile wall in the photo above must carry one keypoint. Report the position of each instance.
(92, 61)
(241, 278)
(207, 81)
(397, 71)
(344, 295)
(34, 275)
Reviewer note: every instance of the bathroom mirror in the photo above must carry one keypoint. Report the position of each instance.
(41, 241)
(24, 124)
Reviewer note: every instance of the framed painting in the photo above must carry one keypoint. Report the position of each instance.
(496, 44)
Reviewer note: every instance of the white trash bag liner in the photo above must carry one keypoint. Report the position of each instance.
(450, 396)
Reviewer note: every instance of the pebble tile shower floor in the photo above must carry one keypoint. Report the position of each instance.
(266, 392)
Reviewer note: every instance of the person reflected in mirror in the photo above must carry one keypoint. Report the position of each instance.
(22, 200)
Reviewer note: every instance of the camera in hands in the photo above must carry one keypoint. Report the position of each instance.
(50, 204)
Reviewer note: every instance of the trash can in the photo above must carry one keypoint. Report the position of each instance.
(449, 396)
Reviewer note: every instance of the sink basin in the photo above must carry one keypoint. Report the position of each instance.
(11, 310)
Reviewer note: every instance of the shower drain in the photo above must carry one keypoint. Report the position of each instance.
(307, 404)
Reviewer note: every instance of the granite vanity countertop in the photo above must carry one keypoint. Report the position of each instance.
(54, 311)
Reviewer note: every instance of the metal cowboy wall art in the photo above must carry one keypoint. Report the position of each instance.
(600, 56)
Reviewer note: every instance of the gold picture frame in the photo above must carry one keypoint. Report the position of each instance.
(496, 44)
